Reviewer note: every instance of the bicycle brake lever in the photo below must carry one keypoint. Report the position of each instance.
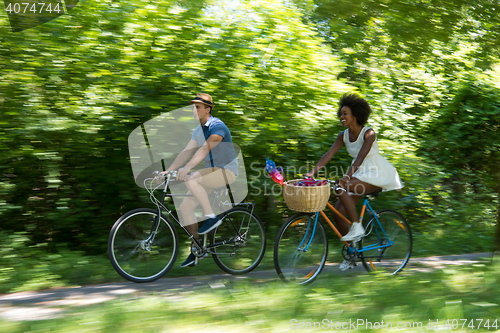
(336, 186)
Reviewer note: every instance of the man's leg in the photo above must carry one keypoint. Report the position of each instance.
(187, 208)
(203, 182)
(194, 183)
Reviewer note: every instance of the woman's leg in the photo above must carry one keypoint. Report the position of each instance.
(342, 225)
(347, 202)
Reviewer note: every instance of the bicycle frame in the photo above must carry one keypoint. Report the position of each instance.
(161, 206)
(366, 204)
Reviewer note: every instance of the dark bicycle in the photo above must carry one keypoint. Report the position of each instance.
(143, 244)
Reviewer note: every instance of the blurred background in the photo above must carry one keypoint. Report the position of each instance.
(73, 89)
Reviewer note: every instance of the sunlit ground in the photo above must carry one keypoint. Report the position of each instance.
(359, 302)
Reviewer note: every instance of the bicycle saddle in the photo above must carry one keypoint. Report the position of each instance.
(375, 193)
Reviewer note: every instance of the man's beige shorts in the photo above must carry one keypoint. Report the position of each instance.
(214, 177)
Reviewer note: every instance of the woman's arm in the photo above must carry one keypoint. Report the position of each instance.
(339, 142)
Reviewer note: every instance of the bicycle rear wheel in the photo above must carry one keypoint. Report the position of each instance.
(392, 228)
(242, 241)
(299, 256)
(134, 254)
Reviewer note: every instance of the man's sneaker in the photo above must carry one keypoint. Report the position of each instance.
(209, 225)
(347, 264)
(356, 232)
(191, 259)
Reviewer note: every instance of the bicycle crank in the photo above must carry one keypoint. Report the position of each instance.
(349, 253)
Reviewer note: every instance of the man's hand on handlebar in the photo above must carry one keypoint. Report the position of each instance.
(163, 174)
(182, 173)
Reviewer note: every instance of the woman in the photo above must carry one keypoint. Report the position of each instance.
(369, 171)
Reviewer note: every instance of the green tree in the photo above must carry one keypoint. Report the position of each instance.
(73, 89)
(465, 140)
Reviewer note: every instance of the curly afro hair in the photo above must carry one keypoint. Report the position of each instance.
(359, 107)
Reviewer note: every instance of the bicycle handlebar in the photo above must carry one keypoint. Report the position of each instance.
(171, 174)
(328, 180)
(335, 183)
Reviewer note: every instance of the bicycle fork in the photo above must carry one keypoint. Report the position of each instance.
(148, 242)
(307, 232)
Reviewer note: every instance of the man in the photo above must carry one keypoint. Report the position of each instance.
(212, 142)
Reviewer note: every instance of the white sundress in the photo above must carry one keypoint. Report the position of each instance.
(375, 169)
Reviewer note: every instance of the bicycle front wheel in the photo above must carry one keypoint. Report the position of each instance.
(300, 249)
(136, 253)
(389, 243)
(239, 243)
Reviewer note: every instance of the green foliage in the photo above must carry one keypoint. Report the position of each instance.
(408, 31)
(73, 99)
(410, 78)
(465, 137)
(73, 89)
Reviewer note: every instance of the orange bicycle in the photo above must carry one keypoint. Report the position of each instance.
(301, 246)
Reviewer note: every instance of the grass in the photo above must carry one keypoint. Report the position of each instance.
(24, 268)
(240, 306)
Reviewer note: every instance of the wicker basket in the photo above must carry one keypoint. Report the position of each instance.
(304, 198)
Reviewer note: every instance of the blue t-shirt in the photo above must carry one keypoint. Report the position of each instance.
(223, 156)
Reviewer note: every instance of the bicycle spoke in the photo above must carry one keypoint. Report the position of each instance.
(394, 229)
(132, 257)
(293, 263)
(242, 252)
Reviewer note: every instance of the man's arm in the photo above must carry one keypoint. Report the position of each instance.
(183, 155)
(212, 142)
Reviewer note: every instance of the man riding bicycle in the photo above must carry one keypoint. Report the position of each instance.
(211, 141)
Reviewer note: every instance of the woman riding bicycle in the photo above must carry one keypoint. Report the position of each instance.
(369, 170)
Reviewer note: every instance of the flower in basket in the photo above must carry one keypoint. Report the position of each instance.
(310, 182)
(273, 172)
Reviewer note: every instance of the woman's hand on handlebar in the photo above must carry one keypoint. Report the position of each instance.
(308, 175)
(342, 183)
